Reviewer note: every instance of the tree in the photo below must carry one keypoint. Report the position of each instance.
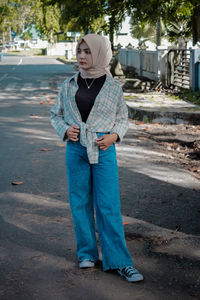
(168, 11)
(144, 30)
(6, 20)
(47, 20)
(89, 16)
(116, 10)
(19, 15)
(195, 20)
(80, 15)
(177, 31)
(15, 15)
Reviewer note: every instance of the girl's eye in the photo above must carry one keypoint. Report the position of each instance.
(87, 51)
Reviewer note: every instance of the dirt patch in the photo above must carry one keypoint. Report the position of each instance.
(181, 142)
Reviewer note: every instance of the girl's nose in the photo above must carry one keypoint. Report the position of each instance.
(81, 54)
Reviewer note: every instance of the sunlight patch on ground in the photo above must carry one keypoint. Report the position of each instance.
(154, 165)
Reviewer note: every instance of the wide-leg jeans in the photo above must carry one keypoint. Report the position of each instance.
(95, 188)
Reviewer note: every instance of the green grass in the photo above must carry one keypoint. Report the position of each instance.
(28, 52)
(187, 95)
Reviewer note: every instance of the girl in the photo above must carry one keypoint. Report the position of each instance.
(91, 114)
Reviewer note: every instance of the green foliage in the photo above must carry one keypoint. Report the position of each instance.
(182, 12)
(51, 16)
(143, 31)
(80, 15)
(190, 96)
(88, 16)
(47, 20)
(15, 15)
(175, 30)
(26, 35)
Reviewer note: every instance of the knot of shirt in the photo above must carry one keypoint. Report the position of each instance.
(87, 139)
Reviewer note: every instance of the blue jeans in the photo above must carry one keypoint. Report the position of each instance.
(95, 187)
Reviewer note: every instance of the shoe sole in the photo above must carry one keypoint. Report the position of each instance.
(137, 277)
(86, 264)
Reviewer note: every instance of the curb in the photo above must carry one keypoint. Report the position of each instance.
(164, 117)
(65, 61)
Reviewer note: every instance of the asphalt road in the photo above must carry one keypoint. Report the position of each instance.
(28, 87)
(37, 248)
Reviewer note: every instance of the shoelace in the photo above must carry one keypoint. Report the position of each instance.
(129, 271)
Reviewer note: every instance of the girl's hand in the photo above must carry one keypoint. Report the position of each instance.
(73, 132)
(106, 140)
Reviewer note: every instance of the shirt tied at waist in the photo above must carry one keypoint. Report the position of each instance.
(87, 139)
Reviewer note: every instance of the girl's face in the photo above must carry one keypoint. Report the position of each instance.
(84, 56)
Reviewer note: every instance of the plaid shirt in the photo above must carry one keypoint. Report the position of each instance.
(109, 114)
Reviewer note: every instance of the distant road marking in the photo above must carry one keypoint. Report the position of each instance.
(19, 63)
(4, 76)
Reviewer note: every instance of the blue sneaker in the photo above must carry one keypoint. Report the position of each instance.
(86, 263)
(131, 274)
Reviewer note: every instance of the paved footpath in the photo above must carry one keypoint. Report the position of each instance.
(37, 249)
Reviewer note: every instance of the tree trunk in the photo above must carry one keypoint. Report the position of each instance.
(86, 25)
(10, 34)
(196, 25)
(87, 30)
(3, 38)
(111, 30)
(51, 36)
(158, 32)
(23, 26)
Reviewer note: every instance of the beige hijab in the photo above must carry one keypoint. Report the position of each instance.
(101, 55)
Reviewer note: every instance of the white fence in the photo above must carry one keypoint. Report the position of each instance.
(142, 63)
(61, 49)
(170, 67)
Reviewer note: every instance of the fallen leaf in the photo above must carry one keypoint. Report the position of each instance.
(17, 182)
(51, 103)
(139, 123)
(146, 129)
(48, 99)
(60, 145)
(142, 138)
(43, 102)
(59, 281)
(126, 223)
(34, 117)
(175, 145)
(156, 124)
(21, 120)
(155, 280)
(31, 132)
(45, 149)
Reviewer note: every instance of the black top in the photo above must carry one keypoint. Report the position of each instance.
(85, 96)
